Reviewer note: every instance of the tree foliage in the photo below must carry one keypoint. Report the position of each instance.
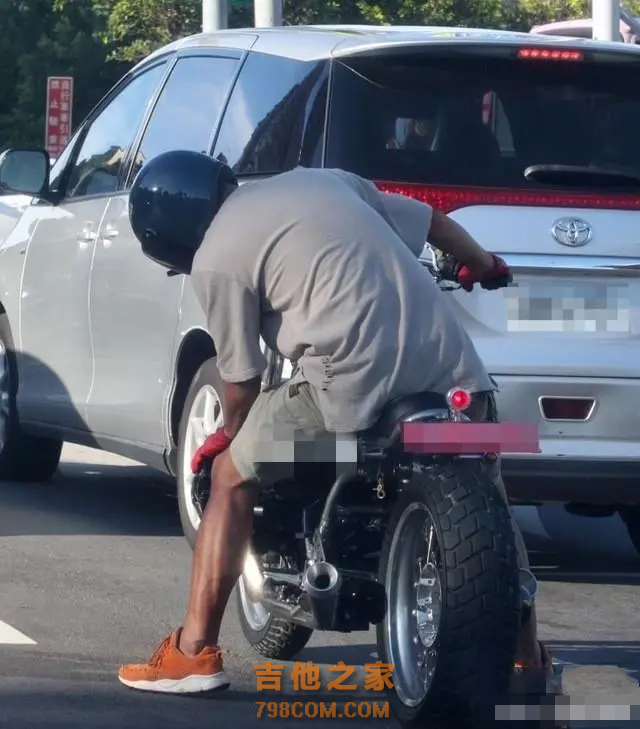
(96, 41)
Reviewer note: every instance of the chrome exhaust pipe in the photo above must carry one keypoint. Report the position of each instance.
(290, 613)
(322, 583)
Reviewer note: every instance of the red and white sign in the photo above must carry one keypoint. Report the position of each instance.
(59, 108)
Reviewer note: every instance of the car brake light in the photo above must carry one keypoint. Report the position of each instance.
(550, 54)
(458, 399)
(449, 198)
(567, 408)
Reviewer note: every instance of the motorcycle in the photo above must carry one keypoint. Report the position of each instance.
(420, 545)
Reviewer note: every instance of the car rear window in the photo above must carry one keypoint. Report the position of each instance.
(480, 121)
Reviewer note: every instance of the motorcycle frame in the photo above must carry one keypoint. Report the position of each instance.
(319, 546)
(317, 607)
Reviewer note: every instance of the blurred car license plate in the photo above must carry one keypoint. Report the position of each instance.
(569, 307)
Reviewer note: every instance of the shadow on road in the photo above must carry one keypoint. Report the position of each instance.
(352, 655)
(92, 499)
(82, 498)
(58, 705)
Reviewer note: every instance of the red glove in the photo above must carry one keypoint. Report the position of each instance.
(498, 277)
(213, 445)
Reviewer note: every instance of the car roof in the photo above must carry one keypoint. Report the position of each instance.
(317, 42)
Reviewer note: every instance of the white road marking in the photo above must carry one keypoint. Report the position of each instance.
(10, 636)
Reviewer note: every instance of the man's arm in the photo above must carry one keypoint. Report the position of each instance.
(238, 400)
(450, 237)
(417, 223)
(232, 308)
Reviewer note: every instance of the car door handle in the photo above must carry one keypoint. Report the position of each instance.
(87, 234)
(110, 232)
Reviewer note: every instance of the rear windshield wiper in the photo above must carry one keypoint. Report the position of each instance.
(575, 176)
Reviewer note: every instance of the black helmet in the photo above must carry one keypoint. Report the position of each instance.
(172, 202)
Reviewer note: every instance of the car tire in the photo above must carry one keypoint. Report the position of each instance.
(201, 415)
(23, 457)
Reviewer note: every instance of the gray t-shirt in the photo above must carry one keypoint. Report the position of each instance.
(324, 267)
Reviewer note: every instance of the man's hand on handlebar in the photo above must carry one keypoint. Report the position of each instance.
(445, 267)
(498, 276)
(462, 259)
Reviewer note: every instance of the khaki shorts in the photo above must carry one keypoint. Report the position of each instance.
(284, 434)
(285, 431)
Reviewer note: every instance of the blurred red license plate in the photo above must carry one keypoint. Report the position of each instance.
(470, 438)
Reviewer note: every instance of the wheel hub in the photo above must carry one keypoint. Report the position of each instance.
(205, 417)
(429, 604)
(200, 490)
(414, 589)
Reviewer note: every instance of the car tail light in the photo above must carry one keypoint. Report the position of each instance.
(458, 399)
(448, 199)
(550, 54)
(567, 408)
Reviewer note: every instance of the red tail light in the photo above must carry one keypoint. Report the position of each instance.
(550, 54)
(448, 199)
(459, 399)
(567, 408)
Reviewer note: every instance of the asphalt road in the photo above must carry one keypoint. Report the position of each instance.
(95, 571)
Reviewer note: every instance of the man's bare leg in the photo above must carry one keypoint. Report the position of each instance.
(220, 550)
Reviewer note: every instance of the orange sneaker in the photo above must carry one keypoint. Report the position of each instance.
(170, 671)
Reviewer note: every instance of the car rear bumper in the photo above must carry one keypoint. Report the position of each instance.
(593, 462)
(605, 482)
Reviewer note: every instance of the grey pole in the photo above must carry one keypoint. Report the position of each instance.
(267, 13)
(606, 20)
(215, 15)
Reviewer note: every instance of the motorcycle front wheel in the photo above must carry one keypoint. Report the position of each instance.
(269, 636)
(449, 568)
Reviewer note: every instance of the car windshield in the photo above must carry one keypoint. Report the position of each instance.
(481, 121)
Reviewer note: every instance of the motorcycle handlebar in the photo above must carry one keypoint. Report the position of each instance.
(443, 267)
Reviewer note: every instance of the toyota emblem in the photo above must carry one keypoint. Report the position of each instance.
(572, 232)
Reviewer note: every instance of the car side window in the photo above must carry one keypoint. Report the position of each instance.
(313, 141)
(60, 166)
(263, 125)
(96, 170)
(188, 108)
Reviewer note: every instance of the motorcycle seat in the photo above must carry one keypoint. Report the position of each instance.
(399, 410)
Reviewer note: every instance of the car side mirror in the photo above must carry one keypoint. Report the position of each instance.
(24, 171)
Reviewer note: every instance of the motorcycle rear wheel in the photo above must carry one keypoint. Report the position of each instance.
(453, 617)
